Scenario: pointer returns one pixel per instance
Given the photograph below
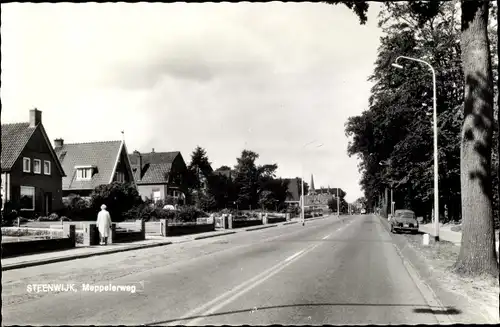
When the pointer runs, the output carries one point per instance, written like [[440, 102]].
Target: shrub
[[142, 212], [171, 200], [9, 213], [118, 197], [77, 208], [189, 214], [53, 217], [147, 212]]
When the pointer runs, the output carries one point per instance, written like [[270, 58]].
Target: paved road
[[327, 272]]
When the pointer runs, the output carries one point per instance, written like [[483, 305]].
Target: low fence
[[12, 249], [120, 233], [230, 222], [178, 229], [240, 223], [277, 218]]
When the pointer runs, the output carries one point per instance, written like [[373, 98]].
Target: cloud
[[265, 76]]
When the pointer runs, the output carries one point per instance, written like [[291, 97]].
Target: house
[[293, 194], [160, 174], [226, 171], [31, 172], [88, 165]]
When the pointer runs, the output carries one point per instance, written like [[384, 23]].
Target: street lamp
[[436, 176], [338, 203], [302, 186]]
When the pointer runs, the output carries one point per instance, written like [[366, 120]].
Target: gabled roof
[[101, 155], [155, 166], [14, 139]]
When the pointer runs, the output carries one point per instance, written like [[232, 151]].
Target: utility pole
[[338, 203]]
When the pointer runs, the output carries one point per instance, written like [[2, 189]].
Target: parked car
[[363, 211], [404, 220]]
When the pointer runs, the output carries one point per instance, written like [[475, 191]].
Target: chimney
[[35, 117], [139, 155], [58, 143]]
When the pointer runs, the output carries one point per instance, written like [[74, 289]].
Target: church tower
[[312, 191]]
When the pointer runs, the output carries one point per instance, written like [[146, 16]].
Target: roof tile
[[155, 166], [14, 139], [99, 154]]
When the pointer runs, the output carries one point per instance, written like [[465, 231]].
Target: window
[[3, 193], [120, 177], [84, 173], [26, 165], [46, 167], [156, 196], [27, 198], [37, 166]]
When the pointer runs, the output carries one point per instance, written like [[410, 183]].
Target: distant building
[[226, 171]]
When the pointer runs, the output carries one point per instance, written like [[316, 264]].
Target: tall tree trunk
[[498, 122], [477, 253]]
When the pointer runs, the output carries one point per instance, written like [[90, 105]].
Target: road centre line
[[293, 256], [243, 288], [262, 278]]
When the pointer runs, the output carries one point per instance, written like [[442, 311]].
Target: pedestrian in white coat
[[104, 224]]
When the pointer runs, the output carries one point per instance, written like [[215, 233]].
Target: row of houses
[[37, 174]]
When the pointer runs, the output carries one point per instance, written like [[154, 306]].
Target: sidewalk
[[88, 251], [151, 241], [445, 233]]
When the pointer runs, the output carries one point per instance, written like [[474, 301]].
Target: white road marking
[[293, 256], [239, 290], [278, 268]]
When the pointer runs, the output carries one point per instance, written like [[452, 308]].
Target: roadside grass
[[440, 257]]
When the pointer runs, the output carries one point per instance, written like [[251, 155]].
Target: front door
[[48, 203]]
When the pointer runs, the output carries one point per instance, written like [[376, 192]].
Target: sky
[[268, 77]]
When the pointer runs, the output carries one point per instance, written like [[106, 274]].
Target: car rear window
[[407, 215]]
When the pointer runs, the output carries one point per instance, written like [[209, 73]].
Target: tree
[[299, 186], [205, 201], [477, 254], [223, 190], [332, 205], [199, 168], [118, 197], [246, 180], [272, 192]]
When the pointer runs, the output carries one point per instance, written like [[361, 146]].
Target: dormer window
[[84, 173]]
